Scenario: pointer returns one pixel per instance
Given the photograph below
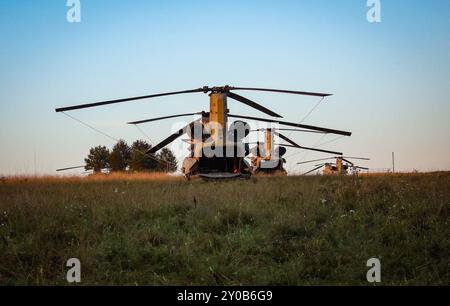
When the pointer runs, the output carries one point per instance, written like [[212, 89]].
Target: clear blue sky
[[390, 80]]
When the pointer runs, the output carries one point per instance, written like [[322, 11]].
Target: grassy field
[[265, 231]]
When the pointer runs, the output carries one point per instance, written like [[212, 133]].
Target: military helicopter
[[338, 168], [268, 159], [217, 151]]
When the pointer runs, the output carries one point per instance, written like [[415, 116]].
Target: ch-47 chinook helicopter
[[267, 157], [217, 151], [338, 168]]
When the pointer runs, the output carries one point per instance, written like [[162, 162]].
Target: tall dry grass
[[116, 176], [262, 231]]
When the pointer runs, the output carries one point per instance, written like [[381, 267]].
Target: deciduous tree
[[168, 161], [120, 156], [140, 161], [97, 159]]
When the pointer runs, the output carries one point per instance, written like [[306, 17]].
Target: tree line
[[123, 157]]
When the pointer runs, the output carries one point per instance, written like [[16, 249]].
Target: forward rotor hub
[[217, 89]]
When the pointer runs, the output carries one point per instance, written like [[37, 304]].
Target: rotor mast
[[268, 144], [339, 165], [218, 116]]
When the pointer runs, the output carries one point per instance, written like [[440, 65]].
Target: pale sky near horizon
[[389, 80]]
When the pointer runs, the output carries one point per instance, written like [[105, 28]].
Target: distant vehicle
[[342, 166]]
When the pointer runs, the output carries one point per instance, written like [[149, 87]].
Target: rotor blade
[[69, 108], [312, 149], [330, 164], [311, 161], [286, 139], [313, 170], [162, 118], [316, 94], [291, 130], [253, 104], [310, 127], [170, 139], [69, 168], [346, 160], [362, 168], [306, 148], [298, 130], [361, 158]]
